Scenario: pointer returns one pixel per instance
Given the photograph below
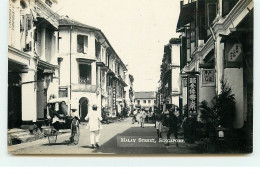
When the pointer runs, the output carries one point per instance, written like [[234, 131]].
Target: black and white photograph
[[130, 77]]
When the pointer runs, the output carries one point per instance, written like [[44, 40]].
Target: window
[[63, 92], [97, 48], [149, 101], [107, 59], [82, 41], [212, 12], [154, 101], [188, 43], [144, 101], [84, 73], [138, 101], [227, 6]]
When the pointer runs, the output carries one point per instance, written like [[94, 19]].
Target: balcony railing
[[84, 88], [84, 80]]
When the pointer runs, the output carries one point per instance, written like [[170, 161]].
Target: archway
[[83, 108]]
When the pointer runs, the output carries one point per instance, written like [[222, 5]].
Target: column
[[43, 37], [29, 102], [219, 63], [93, 73]]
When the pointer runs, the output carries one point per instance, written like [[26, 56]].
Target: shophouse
[[217, 44], [170, 74], [32, 61], [90, 70], [129, 92], [146, 100]]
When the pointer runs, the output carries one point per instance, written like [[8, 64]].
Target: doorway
[[83, 108], [14, 101]]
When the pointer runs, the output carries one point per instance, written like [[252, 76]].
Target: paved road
[[116, 138]]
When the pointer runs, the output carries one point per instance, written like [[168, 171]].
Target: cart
[[59, 120]]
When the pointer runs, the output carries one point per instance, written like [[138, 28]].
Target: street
[[110, 142]]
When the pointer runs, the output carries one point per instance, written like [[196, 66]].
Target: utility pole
[[70, 65]]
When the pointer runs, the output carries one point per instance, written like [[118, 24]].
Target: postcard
[[130, 77]]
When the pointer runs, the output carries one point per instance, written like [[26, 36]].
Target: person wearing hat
[[94, 124], [74, 125]]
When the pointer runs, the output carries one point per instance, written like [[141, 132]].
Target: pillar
[[29, 102]]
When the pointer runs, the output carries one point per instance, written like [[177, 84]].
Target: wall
[[234, 78], [93, 98]]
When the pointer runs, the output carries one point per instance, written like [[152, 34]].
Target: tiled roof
[[65, 21], [145, 95]]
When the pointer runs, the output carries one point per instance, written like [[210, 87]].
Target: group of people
[[139, 117], [94, 126], [168, 118]]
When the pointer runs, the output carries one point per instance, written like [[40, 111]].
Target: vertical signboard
[[192, 95], [114, 98]]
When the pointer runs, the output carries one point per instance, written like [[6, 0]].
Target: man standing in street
[[158, 123], [74, 127], [173, 124], [134, 116], [143, 115], [94, 124]]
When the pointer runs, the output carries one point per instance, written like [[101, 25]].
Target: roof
[[65, 21], [175, 41], [187, 14], [145, 95]]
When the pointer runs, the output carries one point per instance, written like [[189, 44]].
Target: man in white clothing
[[94, 124]]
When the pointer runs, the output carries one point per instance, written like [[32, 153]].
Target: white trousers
[[94, 137]]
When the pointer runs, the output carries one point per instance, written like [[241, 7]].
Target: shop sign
[[234, 52], [233, 55], [208, 77], [114, 97], [192, 92]]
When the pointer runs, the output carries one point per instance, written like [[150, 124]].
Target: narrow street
[[109, 142]]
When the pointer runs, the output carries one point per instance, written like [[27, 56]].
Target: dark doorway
[[14, 101], [83, 108]]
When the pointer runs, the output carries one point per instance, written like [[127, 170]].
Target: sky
[[137, 30]]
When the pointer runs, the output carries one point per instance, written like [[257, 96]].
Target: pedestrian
[[142, 118], [158, 123], [74, 126], [134, 116], [138, 116], [94, 125], [173, 125]]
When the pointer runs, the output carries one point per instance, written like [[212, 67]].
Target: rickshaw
[[59, 120]]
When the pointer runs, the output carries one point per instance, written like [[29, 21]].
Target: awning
[[187, 14]]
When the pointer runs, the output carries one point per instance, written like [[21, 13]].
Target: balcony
[[84, 88]]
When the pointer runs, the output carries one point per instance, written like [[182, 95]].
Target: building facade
[[90, 70], [50, 56], [217, 45], [32, 61], [146, 100], [170, 74], [129, 92]]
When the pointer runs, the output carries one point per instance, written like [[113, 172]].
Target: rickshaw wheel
[[76, 137], [53, 137]]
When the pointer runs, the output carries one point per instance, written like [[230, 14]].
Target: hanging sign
[[192, 92], [233, 55], [234, 52]]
